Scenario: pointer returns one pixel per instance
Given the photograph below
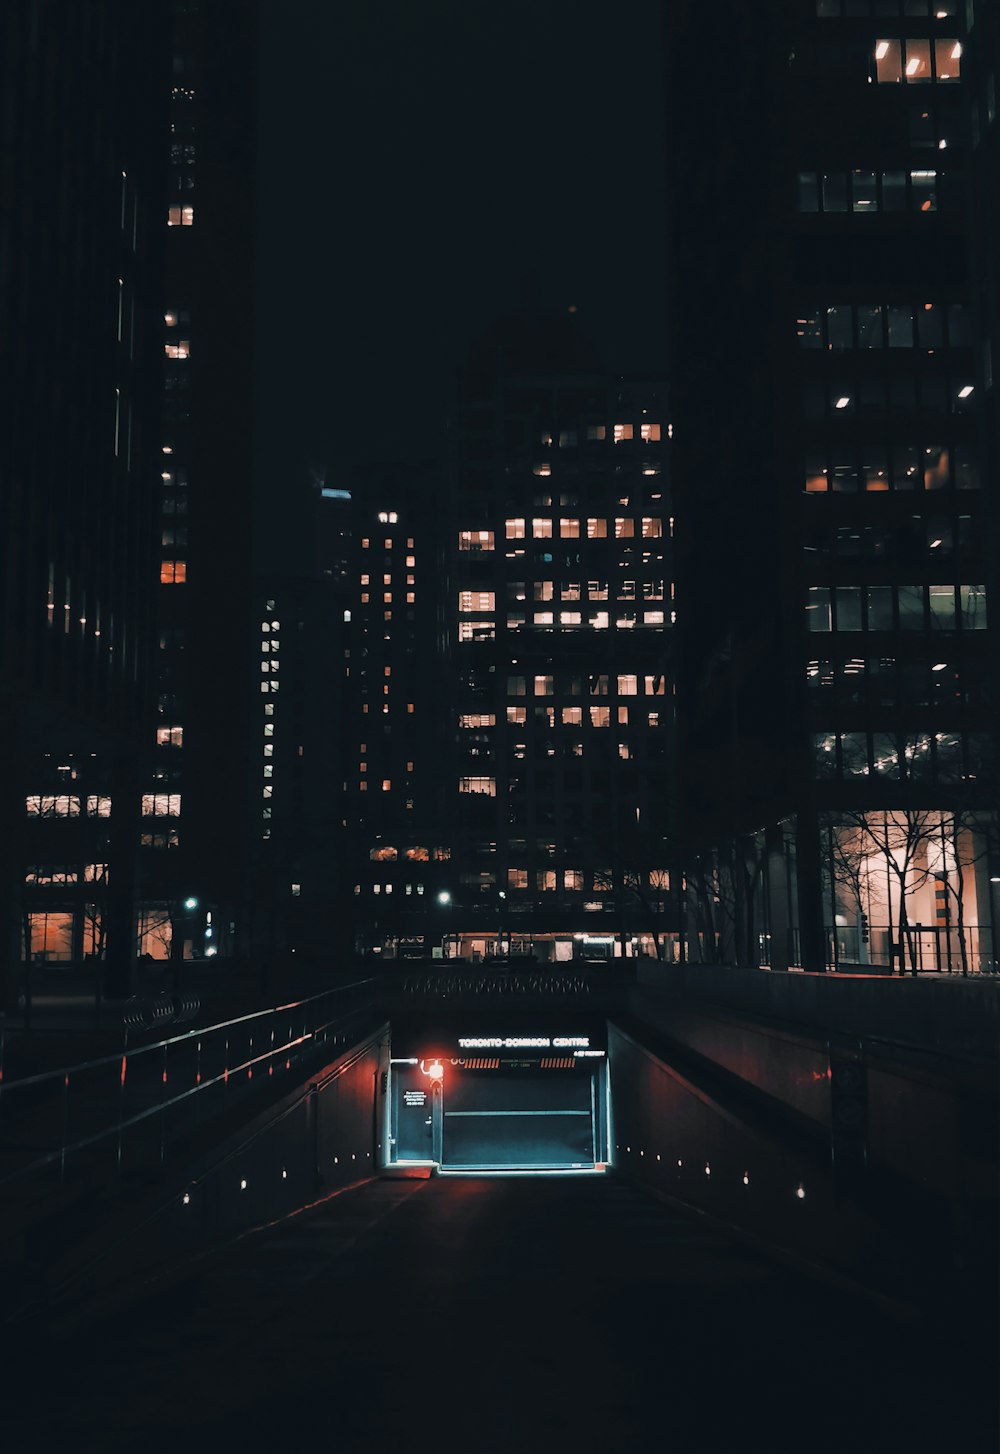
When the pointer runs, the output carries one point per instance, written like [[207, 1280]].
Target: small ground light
[[800, 1191], [746, 1178], [708, 1169], [243, 1184], [657, 1156], [284, 1174], [680, 1163], [186, 1198]]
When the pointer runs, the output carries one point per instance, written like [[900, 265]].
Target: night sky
[[427, 167]]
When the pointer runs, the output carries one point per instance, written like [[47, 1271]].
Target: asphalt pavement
[[507, 1313]]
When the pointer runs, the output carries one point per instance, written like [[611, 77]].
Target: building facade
[[81, 138], [557, 614], [835, 475], [195, 868], [396, 688]]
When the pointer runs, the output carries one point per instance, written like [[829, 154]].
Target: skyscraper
[[835, 462], [80, 288], [194, 810], [558, 616]]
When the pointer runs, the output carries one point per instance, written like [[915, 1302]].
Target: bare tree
[[899, 836]]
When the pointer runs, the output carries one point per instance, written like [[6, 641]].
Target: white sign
[[525, 1042]]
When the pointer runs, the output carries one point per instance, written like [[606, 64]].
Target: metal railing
[[495, 984], [123, 1111]]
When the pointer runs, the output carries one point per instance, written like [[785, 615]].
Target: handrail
[[314, 1015], [10, 1085]]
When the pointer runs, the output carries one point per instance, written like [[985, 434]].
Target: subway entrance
[[513, 1098]]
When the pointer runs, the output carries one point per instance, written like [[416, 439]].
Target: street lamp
[[444, 899]]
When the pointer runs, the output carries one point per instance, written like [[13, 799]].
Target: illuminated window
[[628, 685], [543, 686], [597, 529], [649, 431], [622, 431], [653, 618], [517, 715], [624, 529], [543, 618], [572, 716], [600, 716], [541, 469], [514, 529], [161, 805], [947, 60], [477, 719], [46, 806], [173, 572], [180, 216], [570, 618], [599, 621], [484, 786], [818, 609], [476, 630], [545, 879], [972, 607], [386, 785], [517, 687], [654, 685], [170, 736], [652, 528], [541, 529], [543, 591], [596, 431], [474, 540], [517, 878], [569, 529], [917, 66], [476, 600]]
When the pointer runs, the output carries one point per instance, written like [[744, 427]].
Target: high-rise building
[[81, 241], [833, 310], [397, 685], [300, 902], [557, 616], [196, 850]]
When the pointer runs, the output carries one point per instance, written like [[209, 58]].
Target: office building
[[196, 880], [557, 614], [834, 415], [81, 135], [397, 685]]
